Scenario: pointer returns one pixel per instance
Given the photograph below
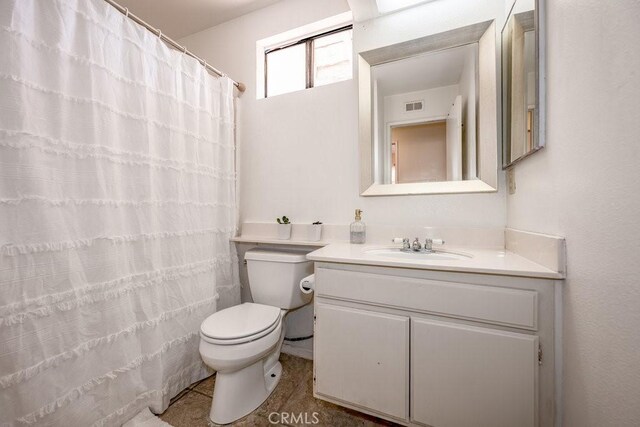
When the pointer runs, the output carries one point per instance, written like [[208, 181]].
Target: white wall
[[299, 151], [299, 157], [584, 185]]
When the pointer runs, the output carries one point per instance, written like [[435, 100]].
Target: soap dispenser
[[358, 229]]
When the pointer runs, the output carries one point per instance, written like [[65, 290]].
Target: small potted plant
[[284, 228], [315, 232]]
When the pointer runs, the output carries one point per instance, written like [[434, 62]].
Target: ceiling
[[364, 10], [179, 18], [408, 75]]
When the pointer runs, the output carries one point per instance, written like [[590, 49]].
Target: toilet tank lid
[[276, 255]]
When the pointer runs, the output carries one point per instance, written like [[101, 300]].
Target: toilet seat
[[240, 324]]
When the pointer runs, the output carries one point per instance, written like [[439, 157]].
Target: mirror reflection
[[424, 117], [520, 91]]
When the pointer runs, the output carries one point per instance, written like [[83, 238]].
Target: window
[[313, 61]]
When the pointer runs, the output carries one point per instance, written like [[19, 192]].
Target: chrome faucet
[[416, 246]]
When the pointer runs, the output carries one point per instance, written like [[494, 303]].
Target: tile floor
[[294, 394]]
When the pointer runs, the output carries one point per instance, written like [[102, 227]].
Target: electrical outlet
[[511, 180]]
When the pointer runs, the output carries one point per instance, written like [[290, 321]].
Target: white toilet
[[242, 343]]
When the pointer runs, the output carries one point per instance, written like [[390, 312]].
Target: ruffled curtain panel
[[117, 202]]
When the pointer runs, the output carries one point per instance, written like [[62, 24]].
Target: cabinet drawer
[[491, 304]]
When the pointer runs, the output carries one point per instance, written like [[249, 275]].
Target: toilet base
[[272, 377], [239, 393]]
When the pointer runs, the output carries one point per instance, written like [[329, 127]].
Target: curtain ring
[[184, 50], [126, 12], [206, 65], [159, 34]]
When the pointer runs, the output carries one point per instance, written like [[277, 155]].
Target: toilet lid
[[240, 321]]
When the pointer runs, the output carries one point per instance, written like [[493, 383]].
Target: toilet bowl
[[242, 343], [246, 375]]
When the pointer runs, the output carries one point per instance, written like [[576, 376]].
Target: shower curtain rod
[[125, 11]]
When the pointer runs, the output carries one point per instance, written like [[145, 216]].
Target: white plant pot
[[284, 231], [314, 232]]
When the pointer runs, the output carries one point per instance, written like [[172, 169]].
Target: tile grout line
[[288, 396], [197, 383], [178, 397], [201, 393]]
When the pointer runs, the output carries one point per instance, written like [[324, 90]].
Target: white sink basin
[[396, 253]]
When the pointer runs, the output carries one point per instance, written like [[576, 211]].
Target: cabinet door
[[362, 358], [470, 376]]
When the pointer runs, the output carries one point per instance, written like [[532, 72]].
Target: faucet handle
[[428, 243], [405, 242]]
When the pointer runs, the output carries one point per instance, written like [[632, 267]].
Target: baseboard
[[305, 353]]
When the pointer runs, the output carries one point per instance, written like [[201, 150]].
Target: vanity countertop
[[485, 261]]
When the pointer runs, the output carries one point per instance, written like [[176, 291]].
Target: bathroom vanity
[[465, 341]]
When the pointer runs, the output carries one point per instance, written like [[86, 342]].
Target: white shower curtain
[[117, 202]]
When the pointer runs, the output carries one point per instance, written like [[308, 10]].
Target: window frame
[[309, 55]]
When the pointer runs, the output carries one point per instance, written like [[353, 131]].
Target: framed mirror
[[428, 119], [522, 83]]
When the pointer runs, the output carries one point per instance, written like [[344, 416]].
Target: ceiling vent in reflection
[[413, 106]]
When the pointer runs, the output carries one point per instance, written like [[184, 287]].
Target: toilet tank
[[274, 277]]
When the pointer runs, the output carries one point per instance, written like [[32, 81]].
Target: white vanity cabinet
[[433, 348]]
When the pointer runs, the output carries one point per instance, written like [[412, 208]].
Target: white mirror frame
[[488, 119]]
